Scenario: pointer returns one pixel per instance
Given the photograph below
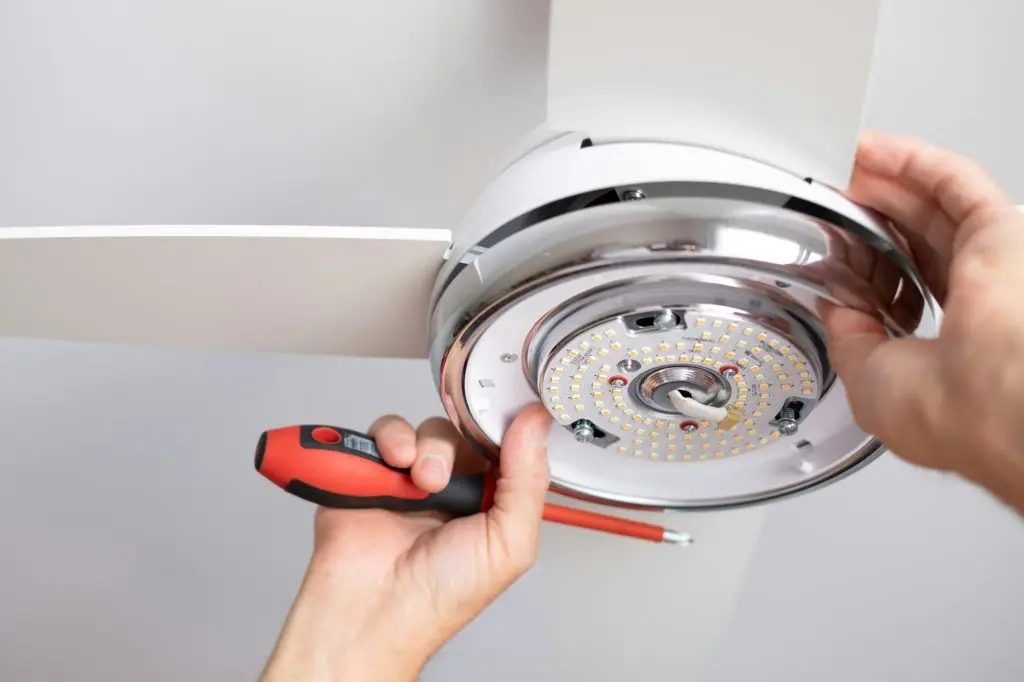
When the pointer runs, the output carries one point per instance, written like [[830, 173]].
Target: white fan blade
[[340, 290], [783, 82]]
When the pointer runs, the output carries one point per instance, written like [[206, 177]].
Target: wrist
[[1000, 471], [310, 661], [369, 663], [381, 654], [321, 654], [336, 633]]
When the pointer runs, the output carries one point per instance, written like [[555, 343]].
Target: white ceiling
[[219, 111], [392, 113]]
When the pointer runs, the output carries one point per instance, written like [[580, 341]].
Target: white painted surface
[[563, 169], [301, 112], [783, 82], [340, 291]]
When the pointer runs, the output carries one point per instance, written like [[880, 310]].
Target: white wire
[[689, 407]]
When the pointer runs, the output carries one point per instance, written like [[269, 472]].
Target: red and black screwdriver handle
[[340, 468]]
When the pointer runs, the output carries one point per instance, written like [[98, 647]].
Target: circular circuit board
[[612, 379]]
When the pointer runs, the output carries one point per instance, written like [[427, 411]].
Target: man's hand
[[385, 590], [955, 403]]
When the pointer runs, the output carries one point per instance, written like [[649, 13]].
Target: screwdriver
[[342, 469]]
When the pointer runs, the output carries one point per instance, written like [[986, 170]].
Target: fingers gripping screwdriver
[[342, 469]]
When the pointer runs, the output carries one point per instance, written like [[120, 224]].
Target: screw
[[729, 372], [788, 427], [666, 320], [689, 427], [633, 195], [629, 365], [617, 382], [584, 431], [787, 422], [509, 357]]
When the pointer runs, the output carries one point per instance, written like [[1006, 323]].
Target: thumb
[[886, 380], [514, 520]]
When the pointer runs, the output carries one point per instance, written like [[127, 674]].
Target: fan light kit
[[651, 263], [663, 301]]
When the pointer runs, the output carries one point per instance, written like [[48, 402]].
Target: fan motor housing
[[600, 278]]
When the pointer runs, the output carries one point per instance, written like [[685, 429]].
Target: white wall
[[137, 542]]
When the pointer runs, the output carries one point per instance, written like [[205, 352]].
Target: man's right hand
[[956, 402]]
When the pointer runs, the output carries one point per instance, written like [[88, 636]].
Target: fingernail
[[433, 465]]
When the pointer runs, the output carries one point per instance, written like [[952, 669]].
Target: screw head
[[617, 382], [729, 372], [666, 320], [629, 365], [633, 195], [583, 431], [788, 427], [509, 357], [688, 427]]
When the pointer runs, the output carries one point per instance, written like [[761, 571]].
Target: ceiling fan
[[647, 259]]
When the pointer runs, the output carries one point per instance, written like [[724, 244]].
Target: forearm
[[331, 636]]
